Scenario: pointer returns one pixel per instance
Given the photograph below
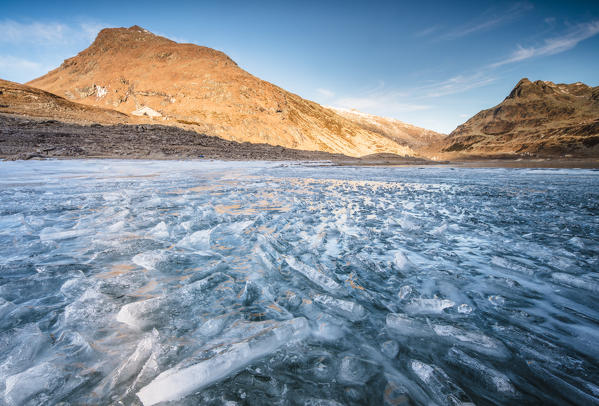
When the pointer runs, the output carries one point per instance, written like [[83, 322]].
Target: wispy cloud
[[456, 84], [381, 104], [91, 29], [381, 100], [427, 31], [180, 40], [8, 61], [46, 33], [34, 32], [385, 101], [30, 48], [20, 69], [487, 21], [326, 93], [555, 45]]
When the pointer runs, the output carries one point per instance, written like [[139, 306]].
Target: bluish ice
[[141, 282]]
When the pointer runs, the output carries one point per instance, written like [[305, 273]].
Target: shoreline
[[557, 163], [24, 138], [574, 163]]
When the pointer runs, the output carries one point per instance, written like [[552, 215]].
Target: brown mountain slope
[[28, 101], [402, 133], [38, 124], [536, 119], [131, 69]]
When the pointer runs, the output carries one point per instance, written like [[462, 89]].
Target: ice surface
[[149, 260], [497, 300], [176, 383], [350, 310], [134, 313], [491, 378], [439, 385], [401, 261], [475, 341], [405, 326], [212, 327], [428, 306], [576, 282], [136, 361], [405, 291], [317, 277], [320, 402], [159, 231], [199, 240], [356, 371], [390, 348], [285, 283], [149, 312], [465, 308], [34, 385]]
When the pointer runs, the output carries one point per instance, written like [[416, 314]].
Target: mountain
[[38, 124], [28, 101], [136, 72], [402, 133], [541, 119]]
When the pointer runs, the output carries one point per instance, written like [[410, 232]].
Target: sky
[[429, 63]]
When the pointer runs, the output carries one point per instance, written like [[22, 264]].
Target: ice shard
[[177, 383]]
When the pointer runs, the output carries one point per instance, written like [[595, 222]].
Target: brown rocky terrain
[[402, 133], [38, 124], [31, 102], [537, 119], [23, 137], [136, 72], [26, 138]]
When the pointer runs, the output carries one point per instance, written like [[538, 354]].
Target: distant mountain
[[402, 133], [28, 101], [194, 87], [539, 118]]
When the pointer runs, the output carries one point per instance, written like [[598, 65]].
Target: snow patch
[[101, 92], [146, 111]]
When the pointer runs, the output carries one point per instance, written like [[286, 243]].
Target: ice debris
[[34, 385], [428, 306], [474, 341], [390, 348], [176, 383], [439, 385], [317, 277], [356, 371], [403, 325], [350, 310], [490, 378]]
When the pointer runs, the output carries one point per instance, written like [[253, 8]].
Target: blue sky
[[429, 63]]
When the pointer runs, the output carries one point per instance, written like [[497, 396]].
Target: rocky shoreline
[[28, 138], [33, 138], [23, 138]]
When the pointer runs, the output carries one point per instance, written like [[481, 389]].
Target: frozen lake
[[236, 283]]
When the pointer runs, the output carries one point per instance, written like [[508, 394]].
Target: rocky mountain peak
[[117, 39], [543, 88], [537, 118], [525, 89]]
